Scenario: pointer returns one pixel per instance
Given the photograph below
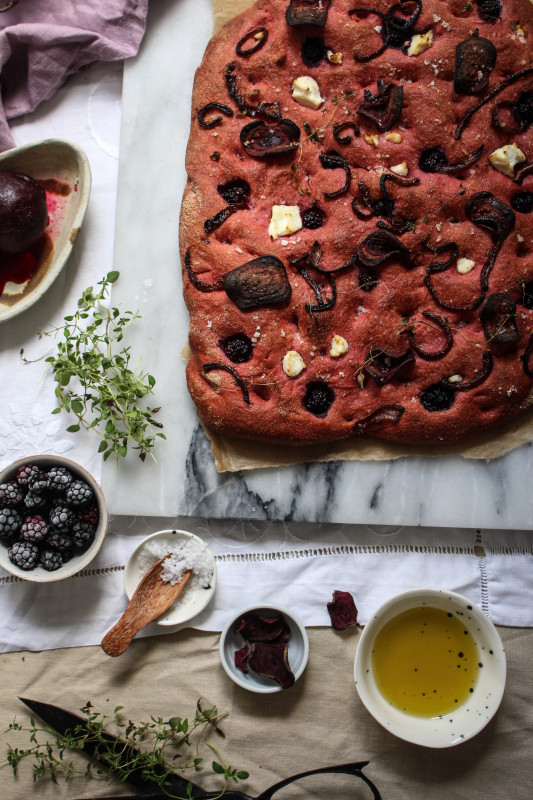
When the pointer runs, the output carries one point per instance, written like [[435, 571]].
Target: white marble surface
[[441, 491]]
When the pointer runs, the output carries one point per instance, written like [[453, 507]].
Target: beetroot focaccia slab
[[356, 228]]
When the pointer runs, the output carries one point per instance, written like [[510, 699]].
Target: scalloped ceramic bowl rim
[[77, 562], [475, 712], [83, 191], [174, 616], [255, 683]]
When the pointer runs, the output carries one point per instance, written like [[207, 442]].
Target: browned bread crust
[[456, 376]]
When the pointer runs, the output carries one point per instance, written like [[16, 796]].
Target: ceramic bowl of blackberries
[[53, 518]]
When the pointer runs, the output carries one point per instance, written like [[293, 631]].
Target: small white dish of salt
[[186, 552]]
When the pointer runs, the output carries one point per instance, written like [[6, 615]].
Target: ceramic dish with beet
[[61, 171], [264, 648]]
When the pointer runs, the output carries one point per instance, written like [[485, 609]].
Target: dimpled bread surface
[[428, 355]]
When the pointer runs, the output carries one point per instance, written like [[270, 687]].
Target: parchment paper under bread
[[233, 454]]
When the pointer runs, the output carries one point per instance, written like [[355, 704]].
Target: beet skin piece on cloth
[[42, 42]]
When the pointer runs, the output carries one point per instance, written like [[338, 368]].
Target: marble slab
[[442, 491]]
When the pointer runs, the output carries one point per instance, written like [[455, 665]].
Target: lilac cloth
[[42, 42]]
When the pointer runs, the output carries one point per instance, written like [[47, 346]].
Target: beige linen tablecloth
[[319, 721]]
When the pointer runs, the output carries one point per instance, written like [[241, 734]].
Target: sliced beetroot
[[522, 202], [318, 398], [271, 660], [384, 415], [307, 12], [342, 610], [209, 108], [252, 42], [334, 160], [438, 397], [381, 246], [434, 159], [384, 108], [383, 367], [266, 647], [260, 282], [314, 50], [313, 218], [265, 139], [241, 658], [498, 317], [235, 192], [237, 347], [474, 59], [489, 10], [254, 627]]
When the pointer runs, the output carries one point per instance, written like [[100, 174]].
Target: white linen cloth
[[298, 567]]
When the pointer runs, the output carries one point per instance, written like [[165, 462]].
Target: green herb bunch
[[95, 382], [153, 749]]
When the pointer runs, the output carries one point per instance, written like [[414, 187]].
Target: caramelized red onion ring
[[238, 380], [210, 107], [508, 81], [334, 160], [382, 416], [432, 355], [434, 159], [383, 366], [526, 358], [477, 380], [260, 40], [343, 126], [196, 282], [440, 266], [384, 108]]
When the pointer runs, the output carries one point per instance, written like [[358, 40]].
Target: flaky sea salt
[[185, 554]]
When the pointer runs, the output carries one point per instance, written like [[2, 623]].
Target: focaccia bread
[[356, 234]]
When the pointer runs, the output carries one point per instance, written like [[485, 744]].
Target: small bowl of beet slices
[[53, 518], [264, 648]]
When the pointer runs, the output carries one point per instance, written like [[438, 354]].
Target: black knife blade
[[105, 752]]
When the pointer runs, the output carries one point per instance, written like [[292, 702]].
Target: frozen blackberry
[[38, 482], [59, 478], [82, 535], [51, 560], [79, 494], [24, 555], [60, 541], [90, 515], [10, 522], [34, 529], [10, 494], [25, 472], [62, 518], [34, 501]]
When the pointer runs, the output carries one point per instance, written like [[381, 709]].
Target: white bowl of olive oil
[[430, 667]]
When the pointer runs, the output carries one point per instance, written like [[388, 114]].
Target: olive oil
[[425, 661]]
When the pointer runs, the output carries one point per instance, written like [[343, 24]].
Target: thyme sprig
[[95, 382], [152, 749]]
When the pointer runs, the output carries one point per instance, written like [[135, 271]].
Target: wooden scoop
[[151, 599]]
